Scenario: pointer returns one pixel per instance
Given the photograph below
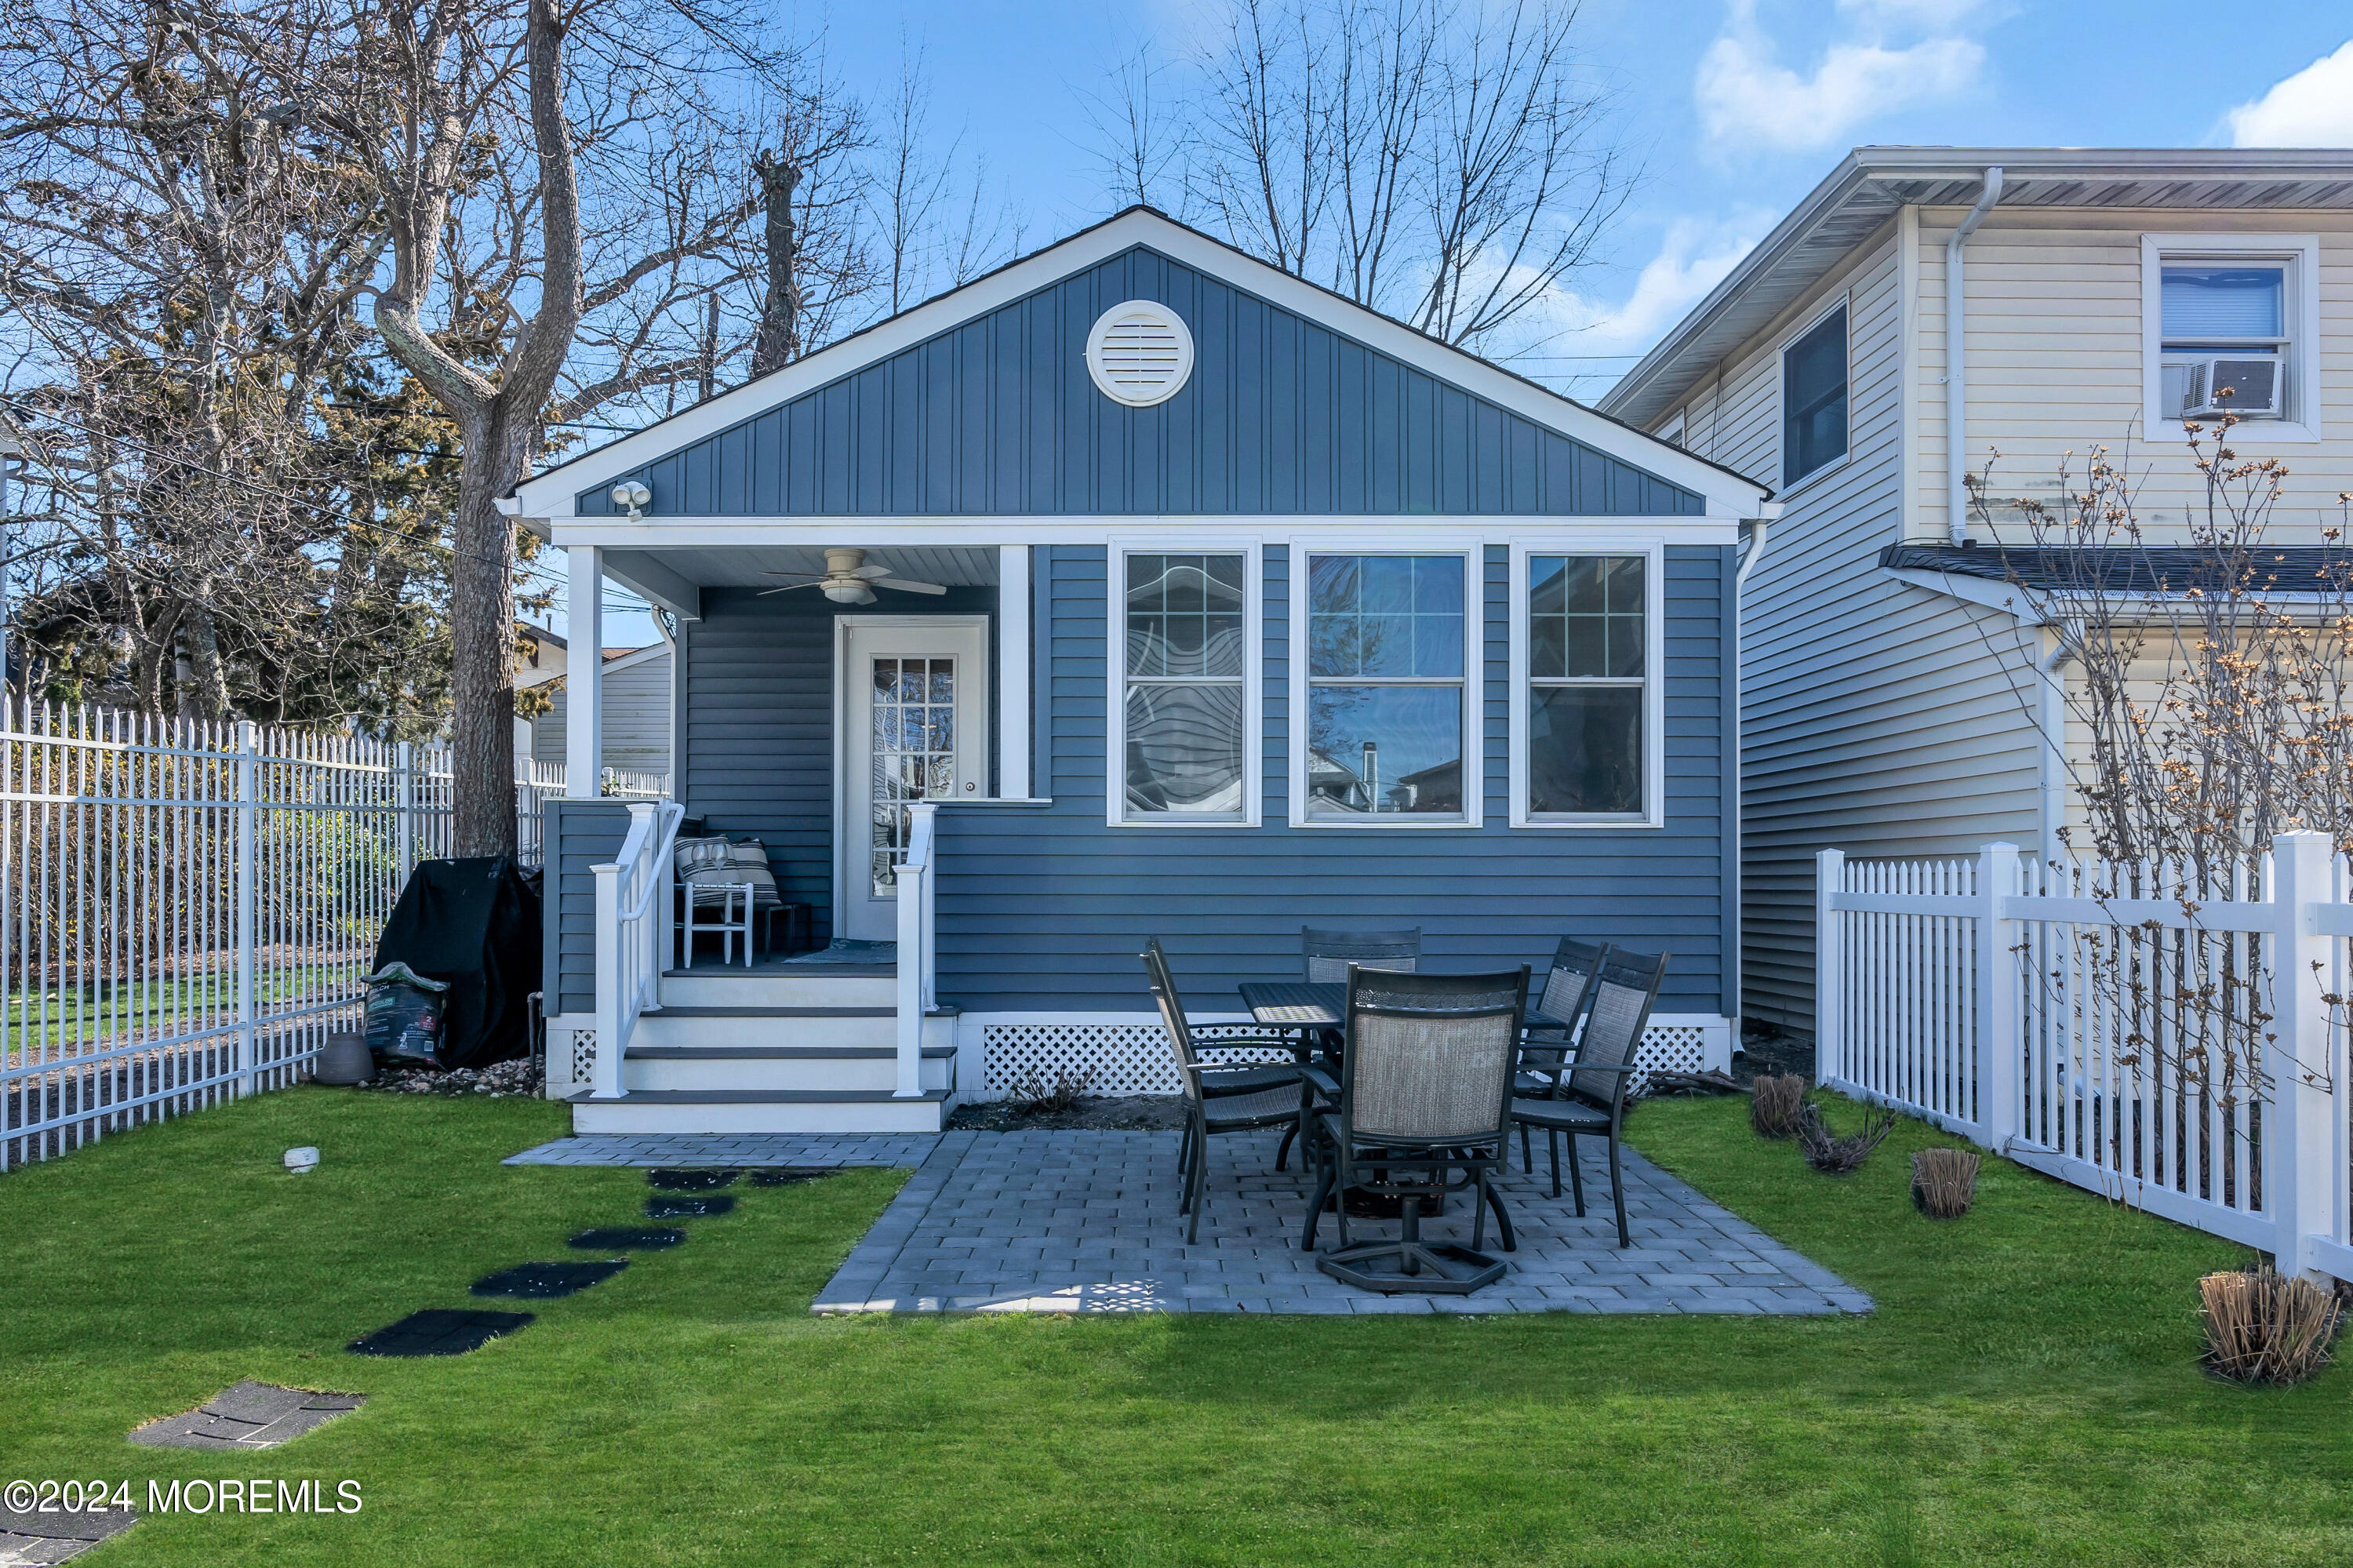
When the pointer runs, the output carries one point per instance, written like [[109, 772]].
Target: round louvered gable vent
[[1139, 354]]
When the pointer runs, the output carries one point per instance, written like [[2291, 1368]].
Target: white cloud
[[1930, 15], [1580, 343], [1747, 99], [2314, 108]]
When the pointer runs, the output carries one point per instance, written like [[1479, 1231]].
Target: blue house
[[1136, 589]]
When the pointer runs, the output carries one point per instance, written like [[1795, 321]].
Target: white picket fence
[[188, 909], [2071, 1016]]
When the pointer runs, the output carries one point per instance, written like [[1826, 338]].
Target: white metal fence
[[186, 909], [2171, 1039]]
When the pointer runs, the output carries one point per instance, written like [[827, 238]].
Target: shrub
[[1826, 1150], [2262, 1327], [1774, 1105], [1036, 1095], [1945, 1182]]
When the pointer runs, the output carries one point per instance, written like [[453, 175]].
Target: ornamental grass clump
[[1774, 1105], [1945, 1182], [2263, 1327], [1839, 1154]]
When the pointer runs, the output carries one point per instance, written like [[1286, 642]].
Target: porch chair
[[1221, 1096], [1586, 1096], [733, 881], [1550, 1037], [1425, 1091]]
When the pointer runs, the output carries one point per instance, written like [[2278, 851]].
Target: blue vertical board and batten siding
[[1045, 909], [1282, 416]]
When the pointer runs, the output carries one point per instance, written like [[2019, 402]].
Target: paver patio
[[1087, 1222]]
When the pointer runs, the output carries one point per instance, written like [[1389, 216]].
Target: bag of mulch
[[404, 1015]]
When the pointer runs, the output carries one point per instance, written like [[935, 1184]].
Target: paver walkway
[[1087, 1222]]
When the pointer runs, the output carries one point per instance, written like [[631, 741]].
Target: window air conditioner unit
[[2247, 385]]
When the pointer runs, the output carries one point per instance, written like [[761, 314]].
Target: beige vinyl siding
[[2054, 366], [1874, 718], [636, 718]]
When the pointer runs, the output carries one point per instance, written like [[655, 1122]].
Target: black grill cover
[[475, 924]]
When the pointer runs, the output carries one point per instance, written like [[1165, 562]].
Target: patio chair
[[1328, 954], [1425, 1091], [1546, 1047], [1587, 1097], [1223, 1097]]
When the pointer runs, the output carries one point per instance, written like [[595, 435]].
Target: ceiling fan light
[[849, 592]]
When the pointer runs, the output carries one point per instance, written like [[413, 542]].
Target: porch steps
[[761, 1110], [812, 1049]]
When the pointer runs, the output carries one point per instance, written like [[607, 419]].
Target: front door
[[914, 720]]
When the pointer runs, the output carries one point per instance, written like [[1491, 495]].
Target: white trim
[[842, 627], [1129, 397], [876, 532], [1014, 685], [1252, 550], [2302, 322], [1654, 682], [549, 495], [1302, 545], [1830, 305], [584, 704]]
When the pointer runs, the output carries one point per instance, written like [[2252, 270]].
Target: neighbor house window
[[1384, 694], [2224, 338], [1587, 667], [1183, 722], [1813, 399]]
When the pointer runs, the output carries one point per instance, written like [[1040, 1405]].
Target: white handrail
[[915, 956], [632, 909]]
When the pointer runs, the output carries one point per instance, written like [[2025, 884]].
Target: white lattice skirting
[[1123, 1054]]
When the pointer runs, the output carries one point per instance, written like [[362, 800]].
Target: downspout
[[1956, 360], [1768, 512]]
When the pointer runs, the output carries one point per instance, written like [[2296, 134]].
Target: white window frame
[[1653, 551], [1252, 550], [1827, 307], [1474, 555], [2300, 313]]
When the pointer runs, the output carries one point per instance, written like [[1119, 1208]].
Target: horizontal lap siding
[[1046, 909], [758, 725], [579, 834], [1282, 415]]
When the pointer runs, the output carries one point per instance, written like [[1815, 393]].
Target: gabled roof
[[1871, 184], [1726, 493]]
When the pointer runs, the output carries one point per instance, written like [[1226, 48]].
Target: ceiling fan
[[848, 580]]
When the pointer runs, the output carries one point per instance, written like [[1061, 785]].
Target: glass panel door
[[913, 756]]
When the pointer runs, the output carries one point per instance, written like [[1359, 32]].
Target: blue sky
[[1734, 108]]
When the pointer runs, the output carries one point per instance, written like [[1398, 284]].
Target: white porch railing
[[918, 945], [633, 918], [2044, 1013]]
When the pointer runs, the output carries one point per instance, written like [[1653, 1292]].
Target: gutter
[[1956, 359]]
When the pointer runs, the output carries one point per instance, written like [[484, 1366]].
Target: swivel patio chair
[[1223, 1097], [1586, 1097], [1425, 1092]]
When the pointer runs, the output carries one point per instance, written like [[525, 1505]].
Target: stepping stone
[[30, 1538], [686, 1208], [439, 1331], [628, 1238], [548, 1279], [250, 1415], [701, 1180], [786, 1175]]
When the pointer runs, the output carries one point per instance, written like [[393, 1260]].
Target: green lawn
[[2028, 1391]]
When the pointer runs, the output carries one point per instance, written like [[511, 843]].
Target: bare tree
[[1443, 161]]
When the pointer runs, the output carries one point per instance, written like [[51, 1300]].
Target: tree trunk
[[482, 625], [208, 689], [779, 341]]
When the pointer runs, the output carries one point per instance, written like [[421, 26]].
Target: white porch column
[[584, 701], [1013, 671]]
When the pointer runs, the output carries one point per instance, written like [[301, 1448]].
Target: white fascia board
[[549, 495], [2045, 607], [653, 534], [2007, 597]]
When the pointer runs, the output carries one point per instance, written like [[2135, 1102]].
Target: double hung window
[[1183, 719], [1385, 696]]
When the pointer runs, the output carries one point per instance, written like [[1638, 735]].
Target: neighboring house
[[1217, 587], [636, 686], [1890, 704], [541, 657]]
